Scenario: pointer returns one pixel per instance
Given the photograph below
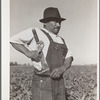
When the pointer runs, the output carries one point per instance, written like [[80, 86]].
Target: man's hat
[[51, 14]]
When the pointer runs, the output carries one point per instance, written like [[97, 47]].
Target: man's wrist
[[63, 68]]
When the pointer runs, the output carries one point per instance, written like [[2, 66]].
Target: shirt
[[27, 35]]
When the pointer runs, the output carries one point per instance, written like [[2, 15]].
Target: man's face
[[53, 26]]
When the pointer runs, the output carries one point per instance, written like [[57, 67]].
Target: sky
[[79, 29]]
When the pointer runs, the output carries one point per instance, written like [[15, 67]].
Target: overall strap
[[49, 37], [63, 40], [35, 35]]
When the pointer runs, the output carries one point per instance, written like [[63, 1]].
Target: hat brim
[[45, 20]]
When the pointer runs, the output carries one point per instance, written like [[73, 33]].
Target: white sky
[[79, 30]]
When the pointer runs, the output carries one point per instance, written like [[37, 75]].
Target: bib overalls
[[46, 88]]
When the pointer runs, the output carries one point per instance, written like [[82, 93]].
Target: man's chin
[[56, 31]]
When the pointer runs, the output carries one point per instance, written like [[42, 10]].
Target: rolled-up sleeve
[[69, 53], [22, 37]]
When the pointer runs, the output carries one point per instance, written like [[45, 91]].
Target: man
[[49, 54]]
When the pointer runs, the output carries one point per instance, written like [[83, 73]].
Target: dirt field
[[80, 82]]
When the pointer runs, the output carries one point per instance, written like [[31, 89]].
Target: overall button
[[56, 46], [41, 81]]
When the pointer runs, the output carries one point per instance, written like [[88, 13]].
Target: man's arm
[[57, 72], [30, 54], [67, 63]]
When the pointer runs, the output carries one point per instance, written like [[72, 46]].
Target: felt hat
[[51, 14]]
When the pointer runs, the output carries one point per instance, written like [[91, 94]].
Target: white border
[[98, 50], [5, 29]]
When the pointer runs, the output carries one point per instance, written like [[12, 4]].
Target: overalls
[[46, 88]]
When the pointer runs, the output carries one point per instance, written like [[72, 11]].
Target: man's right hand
[[35, 55]]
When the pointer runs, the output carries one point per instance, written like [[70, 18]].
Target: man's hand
[[57, 72], [35, 55]]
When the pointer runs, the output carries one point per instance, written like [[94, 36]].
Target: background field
[[80, 82]]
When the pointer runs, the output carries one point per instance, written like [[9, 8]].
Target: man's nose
[[58, 24]]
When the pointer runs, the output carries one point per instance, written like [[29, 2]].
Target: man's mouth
[[57, 28]]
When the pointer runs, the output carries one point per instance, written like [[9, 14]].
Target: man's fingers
[[55, 73], [52, 73], [36, 57]]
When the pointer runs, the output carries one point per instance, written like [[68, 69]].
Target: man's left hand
[[57, 72]]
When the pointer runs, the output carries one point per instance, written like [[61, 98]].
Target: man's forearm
[[67, 63], [33, 55], [21, 48]]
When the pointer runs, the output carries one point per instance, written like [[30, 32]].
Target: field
[[80, 82]]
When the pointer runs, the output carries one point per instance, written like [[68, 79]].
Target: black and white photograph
[[52, 50]]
